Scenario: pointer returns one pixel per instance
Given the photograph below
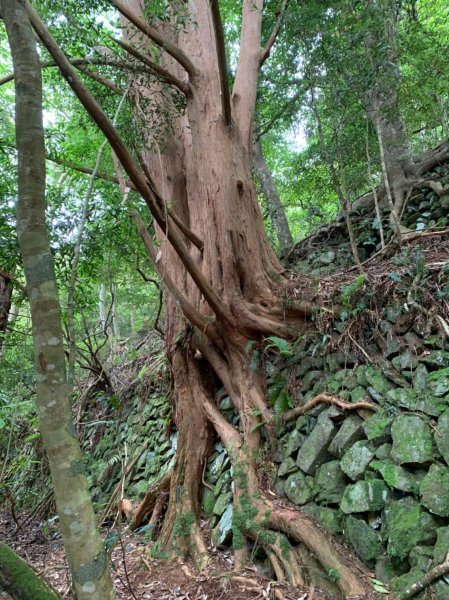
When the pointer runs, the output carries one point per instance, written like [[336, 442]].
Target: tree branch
[[222, 65], [159, 39], [77, 62], [265, 53], [154, 68], [130, 166]]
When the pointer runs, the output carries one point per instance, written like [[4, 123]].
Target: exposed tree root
[[147, 505], [300, 410]]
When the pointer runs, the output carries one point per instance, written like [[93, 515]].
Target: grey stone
[[297, 488], [364, 496], [293, 441], [434, 490], [408, 525], [208, 501], [350, 432], [326, 258], [226, 404], [222, 503], [309, 379], [362, 538], [439, 386], [377, 379], [437, 358], [329, 483], [442, 545], [416, 401], [420, 378], [222, 533], [384, 451], [396, 476], [377, 428], [405, 361], [356, 460], [441, 435], [287, 467], [215, 468], [412, 440], [314, 450]]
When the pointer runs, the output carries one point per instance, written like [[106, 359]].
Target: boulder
[[350, 432], [356, 459], [412, 440], [222, 533], [329, 518], [297, 488], [293, 441], [314, 450], [397, 477], [329, 483], [416, 401], [365, 496], [434, 490], [287, 467], [408, 525], [377, 428], [362, 538]]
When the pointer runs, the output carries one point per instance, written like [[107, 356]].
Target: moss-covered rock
[[362, 538], [329, 483], [222, 532], [329, 518], [412, 440], [442, 545], [377, 379], [287, 466], [404, 582], [314, 451], [350, 432], [442, 436], [434, 490], [416, 401], [364, 496], [397, 477], [297, 488], [377, 428], [407, 525], [356, 460], [222, 503]]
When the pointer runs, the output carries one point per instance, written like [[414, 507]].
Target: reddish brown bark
[[224, 293]]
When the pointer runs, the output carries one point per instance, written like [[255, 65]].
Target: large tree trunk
[[84, 548], [270, 191], [224, 279]]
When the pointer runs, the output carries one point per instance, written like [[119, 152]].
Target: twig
[[300, 410], [131, 591]]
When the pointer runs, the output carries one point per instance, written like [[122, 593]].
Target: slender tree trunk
[[270, 191], [84, 549], [115, 314], [102, 305], [5, 304]]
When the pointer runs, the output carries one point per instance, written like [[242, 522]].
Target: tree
[[225, 282], [84, 549]]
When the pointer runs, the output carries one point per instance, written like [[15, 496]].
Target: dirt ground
[[137, 576]]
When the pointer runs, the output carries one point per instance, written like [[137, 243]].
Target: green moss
[[183, 524], [24, 583], [157, 552]]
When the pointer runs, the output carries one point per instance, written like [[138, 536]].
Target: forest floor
[[139, 577]]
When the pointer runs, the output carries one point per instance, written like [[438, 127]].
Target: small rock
[[377, 380], [412, 440], [406, 361], [384, 451], [287, 467], [442, 546], [434, 490], [437, 358], [293, 441], [326, 258], [297, 489]]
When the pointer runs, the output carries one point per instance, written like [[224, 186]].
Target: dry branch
[[265, 53], [427, 579], [300, 410]]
